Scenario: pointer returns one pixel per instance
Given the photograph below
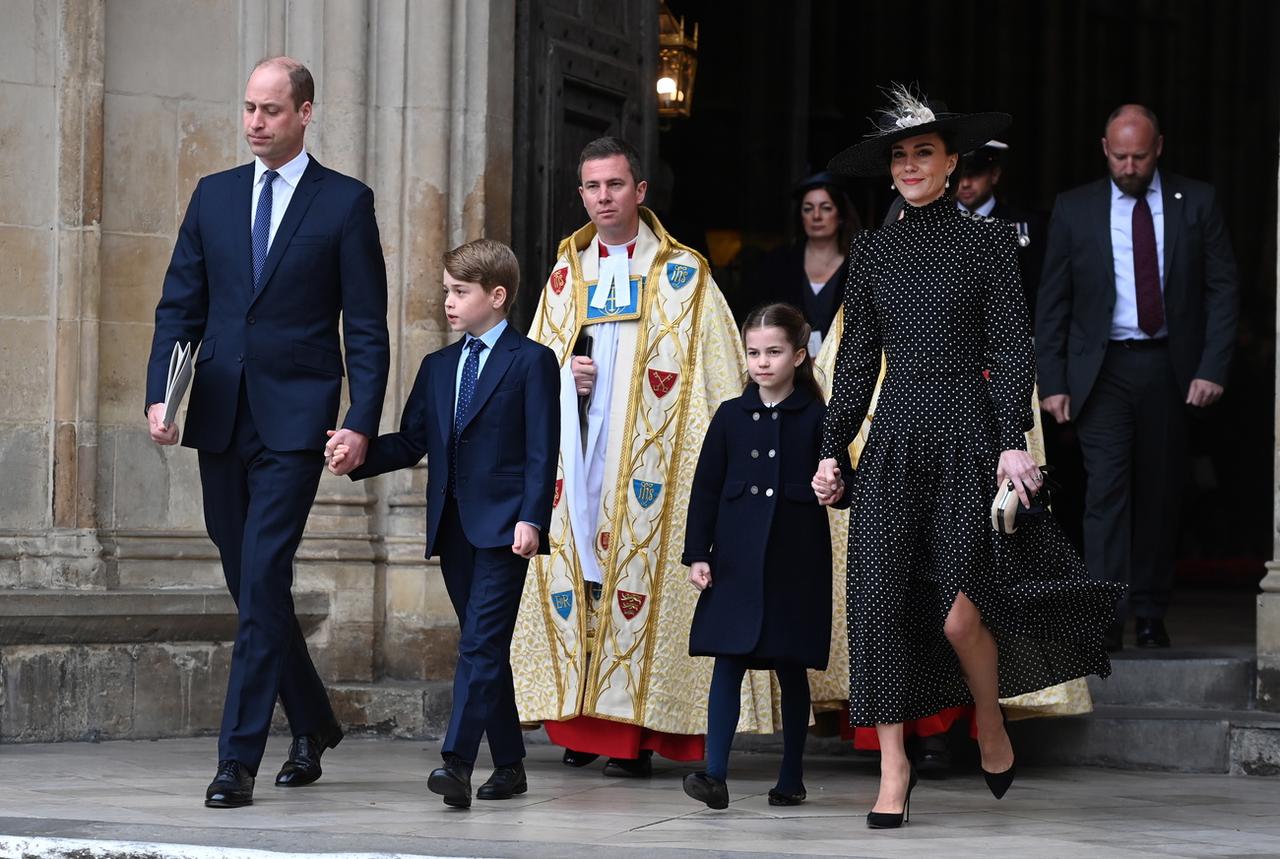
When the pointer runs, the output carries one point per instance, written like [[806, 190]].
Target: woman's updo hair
[[793, 325]]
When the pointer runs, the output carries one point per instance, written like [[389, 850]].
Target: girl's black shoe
[[707, 789], [885, 820], [777, 797]]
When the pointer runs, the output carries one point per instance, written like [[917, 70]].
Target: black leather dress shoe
[[641, 767], [504, 783], [303, 764], [1150, 632], [577, 759], [933, 757], [232, 787], [452, 781]]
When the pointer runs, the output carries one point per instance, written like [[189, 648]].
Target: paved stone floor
[[373, 799]]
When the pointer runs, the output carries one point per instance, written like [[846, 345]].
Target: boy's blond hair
[[489, 263]]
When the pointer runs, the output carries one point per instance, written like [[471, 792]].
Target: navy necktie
[[262, 225], [466, 390], [1146, 270]]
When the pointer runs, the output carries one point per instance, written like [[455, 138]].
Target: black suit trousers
[[484, 586], [256, 503], [1133, 437]]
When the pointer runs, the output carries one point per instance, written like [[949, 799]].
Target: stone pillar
[[114, 621], [1269, 598]]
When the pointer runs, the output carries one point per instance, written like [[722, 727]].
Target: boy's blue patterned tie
[[466, 389], [262, 225]]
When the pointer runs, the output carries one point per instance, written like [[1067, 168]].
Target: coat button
[[251, 320], [755, 454], [755, 416], [775, 416], [768, 493], [755, 490], [772, 454]]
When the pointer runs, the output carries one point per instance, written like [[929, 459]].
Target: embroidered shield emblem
[[630, 604], [603, 539], [558, 279], [562, 602], [679, 275], [555, 499], [646, 492], [661, 382]]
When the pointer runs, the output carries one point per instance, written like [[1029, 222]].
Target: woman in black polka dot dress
[[942, 610]]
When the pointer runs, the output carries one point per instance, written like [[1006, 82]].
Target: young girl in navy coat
[[759, 548]]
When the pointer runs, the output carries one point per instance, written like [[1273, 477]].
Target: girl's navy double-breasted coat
[[754, 518]]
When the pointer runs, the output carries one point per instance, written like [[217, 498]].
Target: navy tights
[[723, 712]]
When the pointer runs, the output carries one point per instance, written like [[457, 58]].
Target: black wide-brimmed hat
[[821, 179], [910, 115]]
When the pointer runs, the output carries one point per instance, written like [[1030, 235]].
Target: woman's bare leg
[[976, 648], [895, 770]]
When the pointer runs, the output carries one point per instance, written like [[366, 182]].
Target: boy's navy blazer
[[279, 340], [508, 443]]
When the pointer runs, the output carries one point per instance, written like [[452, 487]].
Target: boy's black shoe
[[452, 781], [504, 783]]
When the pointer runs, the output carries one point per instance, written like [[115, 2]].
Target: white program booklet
[[181, 369]]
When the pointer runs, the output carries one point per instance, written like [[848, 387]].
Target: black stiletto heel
[[885, 820], [999, 783]]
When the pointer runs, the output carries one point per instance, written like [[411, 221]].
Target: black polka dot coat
[[939, 293], [754, 518]]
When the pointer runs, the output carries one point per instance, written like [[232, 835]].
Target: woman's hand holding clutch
[[1018, 467]]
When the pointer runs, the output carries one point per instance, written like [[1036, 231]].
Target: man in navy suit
[[1136, 322], [270, 256], [485, 413]]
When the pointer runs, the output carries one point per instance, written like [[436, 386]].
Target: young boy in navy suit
[[484, 413]]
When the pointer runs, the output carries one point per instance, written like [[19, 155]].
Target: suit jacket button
[[251, 320]]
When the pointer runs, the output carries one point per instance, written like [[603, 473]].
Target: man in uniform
[[648, 349]]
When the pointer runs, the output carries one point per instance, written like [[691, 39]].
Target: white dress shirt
[[281, 190], [1124, 320], [984, 210]]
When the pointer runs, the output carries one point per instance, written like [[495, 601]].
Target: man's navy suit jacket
[[508, 443], [1078, 288], [282, 338]]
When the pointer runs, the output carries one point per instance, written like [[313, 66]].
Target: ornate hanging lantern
[[677, 64]]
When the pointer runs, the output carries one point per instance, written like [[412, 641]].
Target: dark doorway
[[783, 87]]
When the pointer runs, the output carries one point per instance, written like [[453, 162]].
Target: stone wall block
[[133, 269], [24, 462], [140, 183], [207, 135], [180, 50], [27, 276], [27, 122]]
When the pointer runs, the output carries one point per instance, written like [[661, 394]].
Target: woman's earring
[[892, 187], [947, 185]]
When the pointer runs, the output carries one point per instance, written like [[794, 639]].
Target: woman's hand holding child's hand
[[827, 484]]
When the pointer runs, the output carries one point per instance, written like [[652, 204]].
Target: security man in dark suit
[[980, 172], [269, 258], [1136, 321]]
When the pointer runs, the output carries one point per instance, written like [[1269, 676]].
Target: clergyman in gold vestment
[[648, 350]]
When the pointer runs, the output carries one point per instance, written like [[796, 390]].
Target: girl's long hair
[[792, 322]]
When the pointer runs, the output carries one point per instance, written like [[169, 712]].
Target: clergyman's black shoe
[[504, 783], [303, 764], [641, 767], [452, 781], [232, 787], [933, 757], [577, 759], [1150, 632]]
